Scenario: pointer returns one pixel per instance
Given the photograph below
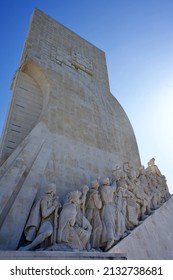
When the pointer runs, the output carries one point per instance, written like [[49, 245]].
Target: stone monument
[[65, 131]]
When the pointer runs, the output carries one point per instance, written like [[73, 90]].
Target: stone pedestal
[[47, 255]]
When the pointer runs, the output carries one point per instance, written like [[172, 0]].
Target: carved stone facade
[[96, 218], [64, 128]]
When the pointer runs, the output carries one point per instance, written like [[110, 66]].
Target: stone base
[[153, 239], [55, 255]]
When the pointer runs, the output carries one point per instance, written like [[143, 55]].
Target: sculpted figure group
[[96, 217]]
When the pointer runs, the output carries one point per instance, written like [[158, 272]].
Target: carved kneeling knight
[[40, 225]]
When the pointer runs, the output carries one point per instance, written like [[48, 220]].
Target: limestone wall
[[62, 82]]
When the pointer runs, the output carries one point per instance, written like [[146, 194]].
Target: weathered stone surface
[[63, 125], [152, 240], [62, 82]]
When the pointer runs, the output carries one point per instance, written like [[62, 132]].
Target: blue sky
[[137, 37]]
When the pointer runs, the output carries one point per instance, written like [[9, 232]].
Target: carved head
[[94, 184], [74, 197], [51, 188], [106, 182], [151, 161], [85, 189]]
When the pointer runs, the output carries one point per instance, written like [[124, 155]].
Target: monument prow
[[70, 176]]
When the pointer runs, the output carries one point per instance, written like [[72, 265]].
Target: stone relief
[[60, 56], [82, 63], [96, 217], [74, 60], [42, 223]]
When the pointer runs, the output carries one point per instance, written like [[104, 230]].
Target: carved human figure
[[133, 207], [43, 216], [121, 210], [140, 200], [93, 205], [165, 191], [74, 229], [162, 188], [116, 173], [129, 211], [152, 186], [83, 226], [108, 217], [143, 185], [154, 168]]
